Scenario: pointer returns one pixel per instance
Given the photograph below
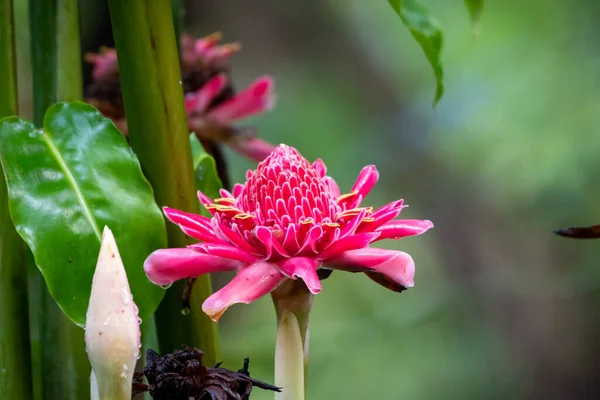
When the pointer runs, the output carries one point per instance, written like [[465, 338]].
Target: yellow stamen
[[225, 200], [243, 216], [354, 212], [222, 208], [347, 195]]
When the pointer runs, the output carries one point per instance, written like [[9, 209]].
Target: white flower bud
[[112, 330]]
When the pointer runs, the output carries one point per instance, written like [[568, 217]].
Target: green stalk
[[15, 378], [156, 120], [289, 360], [178, 16], [292, 302], [61, 369], [68, 64], [8, 62]]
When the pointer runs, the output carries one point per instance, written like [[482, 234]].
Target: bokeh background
[[502, 308]]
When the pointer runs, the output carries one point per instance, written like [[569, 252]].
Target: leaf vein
[[72, 181]]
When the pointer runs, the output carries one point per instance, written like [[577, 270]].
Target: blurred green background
[[502, 308]]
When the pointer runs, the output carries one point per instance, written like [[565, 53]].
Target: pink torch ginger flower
[[286, 222], [211, 110], [218, 120], [212, 106], [206, 51]]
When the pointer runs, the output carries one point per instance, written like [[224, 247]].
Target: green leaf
[[197, 150], [207, 178], [475, 8], [65, 183], [427, 32]]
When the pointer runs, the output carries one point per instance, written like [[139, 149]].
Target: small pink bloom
[[212, 106], [105, 63], [286, 222], [206, 50], [255, 99]]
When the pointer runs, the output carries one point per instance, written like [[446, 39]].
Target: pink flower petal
[[351, 225], [367, 178], [258, 97], [404, 227], [249, 284], [320, 167], [196, 226], [205, 200], [188, 51], [333, 186], [224, 251], [396, 265], [357, 241], [181, 217], [220, 54], [290, 240], [253, 148], [382, 215], [225, 194], [272, 245], [105, 63], [163, 267], [304, 268], [310, 241], [237, 190], [198, 102], [201, 46], [233, 237]]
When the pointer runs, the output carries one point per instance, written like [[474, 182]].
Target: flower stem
[[292, 302], [156, 120], [61, 369], [289, 358], [15, 380], [178, 17], [119, 389]]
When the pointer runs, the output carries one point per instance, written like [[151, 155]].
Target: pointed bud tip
[[112, 331]]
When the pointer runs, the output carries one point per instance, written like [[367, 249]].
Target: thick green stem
[[8, 62], [69, 83], [292, 302], [289, 360], [42, 24], [178, 17], [15, 367], [156, 121], [61, 369]]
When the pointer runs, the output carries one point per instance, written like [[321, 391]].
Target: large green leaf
[[427, 32], [66, 182], [475, 8], [205, 167]]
